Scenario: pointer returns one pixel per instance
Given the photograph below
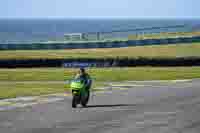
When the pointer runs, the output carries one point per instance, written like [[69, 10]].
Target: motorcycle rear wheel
[[84, 100]]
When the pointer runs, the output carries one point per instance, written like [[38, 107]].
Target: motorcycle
[[80, 93]]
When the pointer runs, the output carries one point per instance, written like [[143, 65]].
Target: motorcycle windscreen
[[76, 85]]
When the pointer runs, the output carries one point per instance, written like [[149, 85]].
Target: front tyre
[[74, 101]]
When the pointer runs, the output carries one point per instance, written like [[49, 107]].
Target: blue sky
[[99, 8]]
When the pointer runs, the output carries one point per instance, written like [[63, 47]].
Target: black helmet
[[82, 69]]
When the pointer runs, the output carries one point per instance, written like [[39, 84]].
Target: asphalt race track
[[134, 108]]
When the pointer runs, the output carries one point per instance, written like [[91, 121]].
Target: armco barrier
[[114, 44]]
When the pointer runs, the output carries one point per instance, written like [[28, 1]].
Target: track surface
[[144, 108]]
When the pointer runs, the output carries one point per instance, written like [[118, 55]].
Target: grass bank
[[154, 51], [14, 89], [24, 82], [101, 74]]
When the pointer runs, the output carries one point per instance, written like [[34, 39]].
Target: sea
[[42, 30]]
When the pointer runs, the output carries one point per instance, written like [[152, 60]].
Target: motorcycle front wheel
[[75, 100]]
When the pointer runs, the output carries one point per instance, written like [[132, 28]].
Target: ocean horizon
[[47, 29]]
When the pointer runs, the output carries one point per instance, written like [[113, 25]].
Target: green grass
[[12, 80], [11, 90], [36, 74], [103, 74], [156, 51], [16, 89]]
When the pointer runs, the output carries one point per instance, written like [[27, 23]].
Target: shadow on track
[[111, 105]]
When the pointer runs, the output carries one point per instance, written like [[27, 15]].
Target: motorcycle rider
[[82, 74]]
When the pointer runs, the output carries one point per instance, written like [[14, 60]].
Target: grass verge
[[154, 51], [12, 90], [101, 74], [24, 82]]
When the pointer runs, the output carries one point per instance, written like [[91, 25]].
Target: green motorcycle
[[80, 93]]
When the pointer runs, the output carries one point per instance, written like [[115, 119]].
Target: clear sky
[[98, 8]]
